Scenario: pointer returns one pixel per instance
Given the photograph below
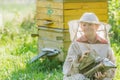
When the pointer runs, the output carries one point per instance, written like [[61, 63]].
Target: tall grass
[[17, 47]]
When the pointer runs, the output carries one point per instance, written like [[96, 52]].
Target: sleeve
[[111, 72], [71, 63]]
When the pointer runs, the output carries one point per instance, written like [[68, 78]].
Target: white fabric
[[75, 77], [77, 50], [76, 31], [90, 18], [107, 79]]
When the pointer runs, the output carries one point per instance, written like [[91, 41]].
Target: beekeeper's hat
[[89, 17]]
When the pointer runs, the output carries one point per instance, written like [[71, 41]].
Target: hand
[[99, 75], [84, 55]]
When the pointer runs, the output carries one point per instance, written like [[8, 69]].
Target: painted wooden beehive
[[54, 39], [57, 13], [52, 17]]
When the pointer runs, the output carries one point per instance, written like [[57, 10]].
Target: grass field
[[17, 47]]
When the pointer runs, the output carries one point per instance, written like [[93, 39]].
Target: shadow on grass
[[39, 70]]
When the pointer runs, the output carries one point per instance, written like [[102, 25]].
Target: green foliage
[[39, 70], [114, 18], [17, 47]]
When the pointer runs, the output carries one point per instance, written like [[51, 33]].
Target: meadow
[[17, 47]]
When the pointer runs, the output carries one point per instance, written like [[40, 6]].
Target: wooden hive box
[[55, 39], [57, 13]]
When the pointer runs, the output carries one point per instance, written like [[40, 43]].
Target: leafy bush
[[114, 18]]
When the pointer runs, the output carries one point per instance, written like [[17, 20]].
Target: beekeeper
[[86, 36]]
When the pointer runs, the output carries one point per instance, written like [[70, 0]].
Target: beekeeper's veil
[[76, 31]]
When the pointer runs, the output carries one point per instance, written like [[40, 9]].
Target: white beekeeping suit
[[78, 49]]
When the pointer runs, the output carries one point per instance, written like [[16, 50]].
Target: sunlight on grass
[[118, 67], [18, 47]]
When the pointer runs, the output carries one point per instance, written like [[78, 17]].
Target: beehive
[[55, 39], [57, 13]]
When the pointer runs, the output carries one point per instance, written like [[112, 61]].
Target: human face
[[89, 28]]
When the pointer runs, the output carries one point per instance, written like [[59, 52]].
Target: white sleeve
[[71, 63], [111, 57]]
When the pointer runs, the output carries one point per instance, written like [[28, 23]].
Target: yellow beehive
[[57, 13]]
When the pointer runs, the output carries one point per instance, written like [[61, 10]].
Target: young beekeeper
[[88, 26]]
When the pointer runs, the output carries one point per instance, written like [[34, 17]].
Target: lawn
[[17, 47]]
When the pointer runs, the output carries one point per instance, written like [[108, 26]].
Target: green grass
[[116, 49], [17, 47], [118, 67]]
